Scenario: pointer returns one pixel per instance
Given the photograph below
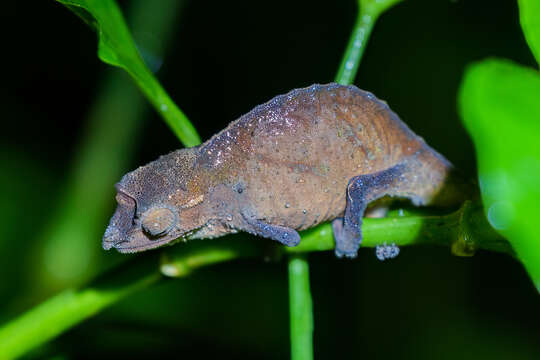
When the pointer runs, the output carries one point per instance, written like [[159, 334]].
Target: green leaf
[[529, 16], [500, 107], [116, 47]]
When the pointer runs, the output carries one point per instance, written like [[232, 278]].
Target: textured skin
[[298, 160]]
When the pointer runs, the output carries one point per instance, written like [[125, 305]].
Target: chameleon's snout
[[128, 232], [121, 223], [110, 238], [132, 240]]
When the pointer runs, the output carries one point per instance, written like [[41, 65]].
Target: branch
[[300, 303], [301, 309], [465, 231]]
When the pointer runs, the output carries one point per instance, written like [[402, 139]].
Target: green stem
[[369, 12], [464, 231], [301, 316], [72, 306], [116, 47], [174, 117], [68, 254], [301, 312], [467, 226]]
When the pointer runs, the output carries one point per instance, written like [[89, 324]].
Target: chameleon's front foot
[[282, 234]]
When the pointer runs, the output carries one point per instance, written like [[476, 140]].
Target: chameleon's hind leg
[[424, 178], [361, 190]]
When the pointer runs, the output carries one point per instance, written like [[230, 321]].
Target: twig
[[72, 306], [301, 309], [369, 12], [301, 316]]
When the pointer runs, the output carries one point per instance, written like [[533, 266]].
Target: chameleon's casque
[[315, 154]]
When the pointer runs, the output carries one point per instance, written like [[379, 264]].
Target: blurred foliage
[[116, 47], [68, 254], [21, 178], [529, 11], [500, 106], [226, 58]]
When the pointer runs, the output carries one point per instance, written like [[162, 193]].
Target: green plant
[[464, 229], [500, 108]]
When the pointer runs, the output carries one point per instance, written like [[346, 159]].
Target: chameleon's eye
[[158, 221]]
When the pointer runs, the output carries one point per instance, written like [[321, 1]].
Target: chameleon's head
[[157, 203]]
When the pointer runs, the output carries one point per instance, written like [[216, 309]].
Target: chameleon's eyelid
[[128, 201], [120, 191]]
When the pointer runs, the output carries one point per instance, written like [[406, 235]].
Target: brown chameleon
[[315, 154]]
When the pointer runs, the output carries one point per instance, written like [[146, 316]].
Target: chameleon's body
[[312, 155]]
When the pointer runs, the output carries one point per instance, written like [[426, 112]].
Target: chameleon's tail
[[442, 184]]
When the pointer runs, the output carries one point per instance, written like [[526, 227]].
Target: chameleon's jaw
[[135, 242]]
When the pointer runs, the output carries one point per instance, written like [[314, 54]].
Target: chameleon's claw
[[347, 243], [384, 251]]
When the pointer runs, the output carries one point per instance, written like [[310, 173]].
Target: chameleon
[[312, 155]]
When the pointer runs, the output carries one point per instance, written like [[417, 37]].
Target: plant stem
[[301, 312], [116, 47], [72, 306], [174, 117], [67, 254], [369, 12]]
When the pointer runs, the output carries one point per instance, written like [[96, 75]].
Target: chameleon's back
[[296, 153]]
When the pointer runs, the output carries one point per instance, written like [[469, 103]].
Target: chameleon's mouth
[[137, 240]]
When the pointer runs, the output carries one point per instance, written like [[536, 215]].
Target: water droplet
[[169, 270]]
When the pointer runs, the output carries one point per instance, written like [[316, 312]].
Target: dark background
[[224, 58]]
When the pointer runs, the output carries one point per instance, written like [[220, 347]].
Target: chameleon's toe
[[347, 242]]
